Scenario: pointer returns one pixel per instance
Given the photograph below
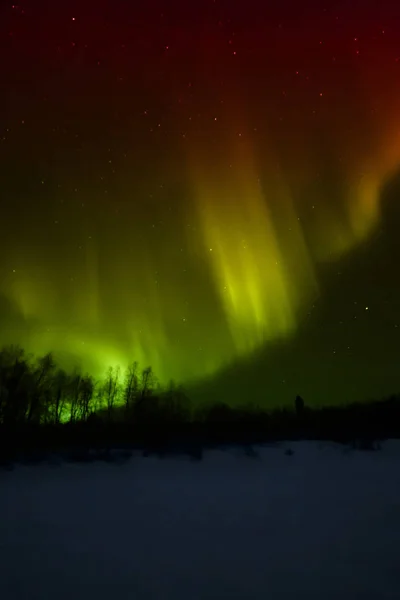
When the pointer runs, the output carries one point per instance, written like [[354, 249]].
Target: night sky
[[209, 187]]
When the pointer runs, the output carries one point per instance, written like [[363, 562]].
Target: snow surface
[[322, 523]]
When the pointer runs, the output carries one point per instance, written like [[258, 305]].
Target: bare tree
[[73, 394], [148, 382], [16, 383], [146, 405], [59, 399], [43, 371], [86, 389], [112, 389], [131, 388]]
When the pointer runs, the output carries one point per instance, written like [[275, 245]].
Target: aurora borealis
[[204, 186]]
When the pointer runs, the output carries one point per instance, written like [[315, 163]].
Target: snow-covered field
[[320, 524]]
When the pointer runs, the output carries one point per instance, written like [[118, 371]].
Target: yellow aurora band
[[245, 254]]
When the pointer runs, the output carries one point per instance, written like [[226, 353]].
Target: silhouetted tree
[[40, 394], [17, 384], [131, 388], [299, 405], [219, 413], [73, 396], [146, 404], [111, 390], [176, 403], [60, 381], [86, 389], [147, 382]]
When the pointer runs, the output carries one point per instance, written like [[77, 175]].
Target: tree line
[[44, 407], [36, 391]]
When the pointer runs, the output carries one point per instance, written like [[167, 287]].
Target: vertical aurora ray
[[240, 242]]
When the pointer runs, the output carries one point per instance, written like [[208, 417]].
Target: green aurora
[[192, 210]]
